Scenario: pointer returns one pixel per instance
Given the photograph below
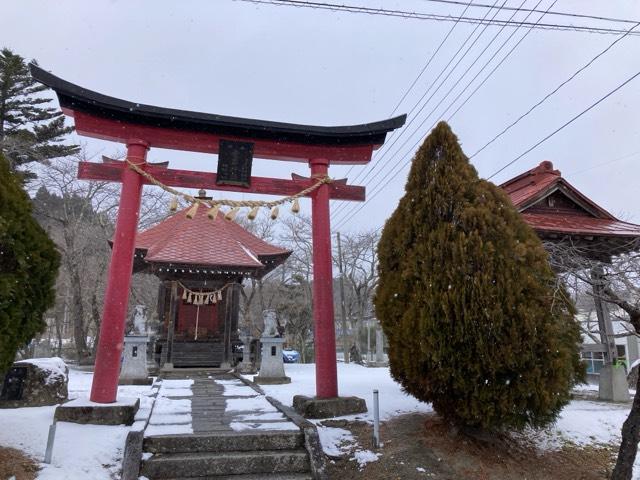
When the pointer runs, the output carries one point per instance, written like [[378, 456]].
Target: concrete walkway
[[211, 402], [211, 425]]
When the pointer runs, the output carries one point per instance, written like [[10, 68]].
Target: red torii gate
[[141, 127]]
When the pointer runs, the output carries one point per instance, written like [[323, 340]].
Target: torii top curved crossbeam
[[110, 118]]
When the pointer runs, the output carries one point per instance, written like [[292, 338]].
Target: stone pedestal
[[272, 365], [310, 407], [613, 385], [134, 363], [82, 410], [379, 360], [246, 366]]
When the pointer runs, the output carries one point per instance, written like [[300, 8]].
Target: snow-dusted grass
[[80, 451], [365, 456], [336, 442]]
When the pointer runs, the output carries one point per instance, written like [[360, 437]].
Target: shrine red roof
[[551, 205], [205, 242]]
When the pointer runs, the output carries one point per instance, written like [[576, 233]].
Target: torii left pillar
[[323, 318], [116, 298]]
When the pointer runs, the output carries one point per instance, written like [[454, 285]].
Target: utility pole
[[343, 312]]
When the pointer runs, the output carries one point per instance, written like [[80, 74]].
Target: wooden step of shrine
[[197, 354]]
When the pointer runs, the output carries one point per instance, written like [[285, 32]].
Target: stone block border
[[317, 458], [132, 455]]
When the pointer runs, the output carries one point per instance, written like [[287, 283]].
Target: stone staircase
[[252, 455]]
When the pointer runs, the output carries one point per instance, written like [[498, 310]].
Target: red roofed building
[[556, 210], [201, 264], [586, 236]]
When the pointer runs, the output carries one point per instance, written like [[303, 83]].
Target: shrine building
[[564, 217], [557, 211], [201, 264]]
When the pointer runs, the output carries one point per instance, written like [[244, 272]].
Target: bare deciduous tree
[[79, 216], [616, 281]]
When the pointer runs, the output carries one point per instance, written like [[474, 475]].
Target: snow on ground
[[336, 442], [581, 422], [354, 380], [172, 410], [249, 404], [80, 451], [97, 450], [250, 410], [55, 366], [243, 426], [584, 422], [235, 388], [365, 456]]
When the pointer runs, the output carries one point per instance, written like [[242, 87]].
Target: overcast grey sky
[[334, 68]]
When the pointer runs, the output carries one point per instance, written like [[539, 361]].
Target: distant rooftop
[[551, 205]]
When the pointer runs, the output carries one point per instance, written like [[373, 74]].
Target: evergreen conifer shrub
[[28, 267], [476, 320]]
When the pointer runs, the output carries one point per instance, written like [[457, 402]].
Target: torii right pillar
[[323, 318], [327, 403]]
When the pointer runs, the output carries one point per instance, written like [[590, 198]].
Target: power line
[[415, 130], [382, 181], [617, 159], [387, 147], [335, 7], [564, 125], [552, 92], [535, 106], [424, 68], [535, 10], [490, 74]]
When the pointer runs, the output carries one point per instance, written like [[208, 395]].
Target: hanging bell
[[231, 214], [274, 213], [253, 213], [295, 208], [213, 212], [173, 205], [193, 210]]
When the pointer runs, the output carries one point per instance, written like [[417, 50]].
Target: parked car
[[290, 356]]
